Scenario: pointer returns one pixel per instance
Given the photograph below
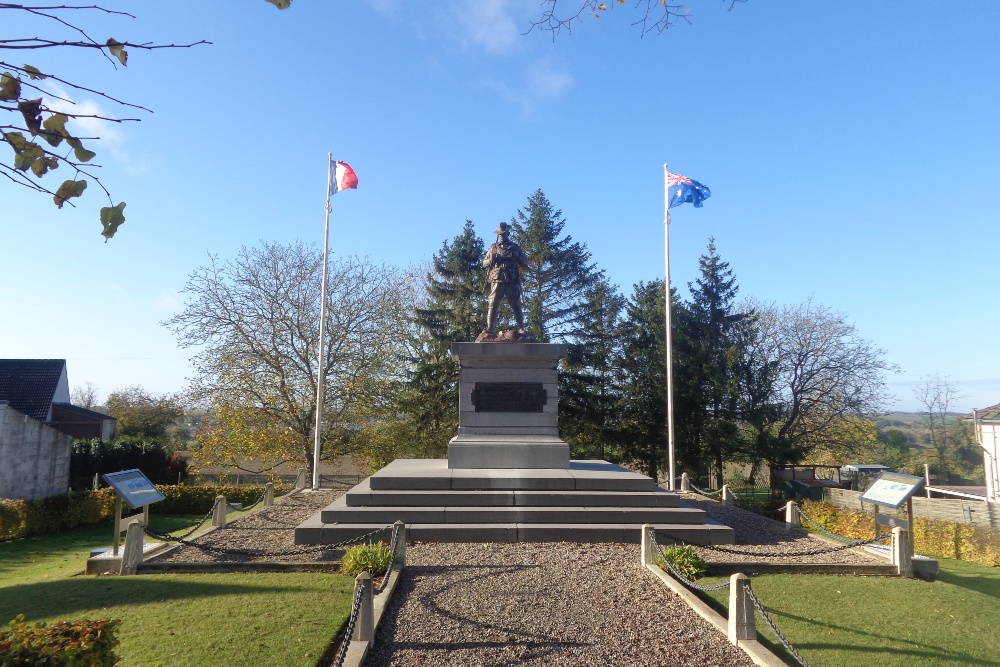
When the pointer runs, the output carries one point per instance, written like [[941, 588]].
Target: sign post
[[133, 488], [892, 489]]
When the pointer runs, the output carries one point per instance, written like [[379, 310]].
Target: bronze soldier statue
[[503, 261]]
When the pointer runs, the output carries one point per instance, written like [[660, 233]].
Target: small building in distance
[[37, 425], [987, 425]]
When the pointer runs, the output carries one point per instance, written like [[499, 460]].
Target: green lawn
[[834, 621], [171, 619]]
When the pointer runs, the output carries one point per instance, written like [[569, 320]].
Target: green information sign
[[892, 489]]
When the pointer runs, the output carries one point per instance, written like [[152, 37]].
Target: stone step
[[314, 531], [435, 475], [340, 512], [362, 495]]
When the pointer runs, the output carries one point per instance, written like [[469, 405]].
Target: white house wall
[[34, 458], [989, 438]]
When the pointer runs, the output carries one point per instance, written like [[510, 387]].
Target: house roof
[[989, 414], [29, 385], [76, 409]]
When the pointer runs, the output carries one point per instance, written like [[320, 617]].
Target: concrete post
[[364, 628], [400, 544], [727, 495], [646, 556], [132, 553], [792, 518], [685, 482], [219, 512], [300, 481], [268, 494], [901, 552], [741, 620]]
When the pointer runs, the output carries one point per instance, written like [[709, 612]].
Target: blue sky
[[851, 149]]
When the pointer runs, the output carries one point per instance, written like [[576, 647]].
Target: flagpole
[[671, 472], [320, 374]]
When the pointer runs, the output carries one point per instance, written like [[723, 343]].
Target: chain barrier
[[793, 554], [704, 492], [355, 612], [690, 583], [256, 553], [247, 508], [823, 530], [750, 508], [774, 628], [170, 538]]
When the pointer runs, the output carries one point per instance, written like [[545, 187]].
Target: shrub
[[685, 560], [62, 644], [373, 558], [975, 543]]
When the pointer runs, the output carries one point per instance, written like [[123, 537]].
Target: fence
[[234, 479], [957, 510]]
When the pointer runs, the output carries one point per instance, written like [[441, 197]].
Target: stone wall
[[34, 458]]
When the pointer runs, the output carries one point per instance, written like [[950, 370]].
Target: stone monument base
[[508, 451]]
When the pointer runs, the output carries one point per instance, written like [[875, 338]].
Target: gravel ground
[[270, 531], [513, 604], [540, 604], [762, 538]]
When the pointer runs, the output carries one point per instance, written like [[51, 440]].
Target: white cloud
[[487, 24], [543, 79]]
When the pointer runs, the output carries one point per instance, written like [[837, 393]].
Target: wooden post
[[901, 557], [219, 512], [364, 628], [268, 494], [132, 553], [400, 544], [118, 525], [909, 523], [727, 495], [792, 519], [741, 620], [646, 553]]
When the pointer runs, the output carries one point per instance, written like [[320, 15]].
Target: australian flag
[[682, 189]]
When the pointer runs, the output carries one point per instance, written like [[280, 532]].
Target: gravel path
[[513, 604], [540, 604], [270, 531], [762, 538]]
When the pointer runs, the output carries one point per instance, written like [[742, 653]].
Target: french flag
[[342, 178]]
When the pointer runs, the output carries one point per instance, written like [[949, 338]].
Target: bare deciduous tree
[[85, 395], [256, 322]]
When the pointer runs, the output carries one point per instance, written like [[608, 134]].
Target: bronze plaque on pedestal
[[509, 396]]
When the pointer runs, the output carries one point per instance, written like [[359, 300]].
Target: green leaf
[[10, 87], [34, 73], [281, 4], [112, 217], [16, 140], [42, 165], [55, 129], [25, 157], [32, 112], [68, 190], [118, 51], [82, 154]]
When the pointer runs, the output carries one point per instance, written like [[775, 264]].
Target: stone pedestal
[[508, 407]]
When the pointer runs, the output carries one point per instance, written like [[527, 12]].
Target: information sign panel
[[133, 487], [892, 489]]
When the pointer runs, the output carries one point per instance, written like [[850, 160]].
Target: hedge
[[971, 542], [61, 644], [24, 518]]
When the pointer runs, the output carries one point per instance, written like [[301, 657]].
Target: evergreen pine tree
[[715, 348], [559, 273], [455, 311]]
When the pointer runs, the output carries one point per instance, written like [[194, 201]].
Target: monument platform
[[589, 501]]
